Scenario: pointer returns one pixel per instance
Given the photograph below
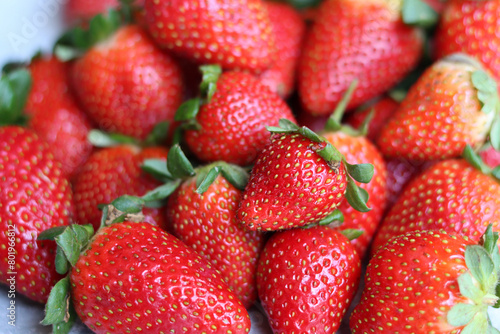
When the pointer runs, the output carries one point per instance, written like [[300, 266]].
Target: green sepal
[[495, 132], [497, 293], [51, 233], [288, 124], [361, 172], [210, 76], [56, 308], [161, 192], [487, 91], [365, 125], [72, 241], [178, 164], [104, 215], [188, 110], [330, 153], [100, 138], [356, 196], [461, 314], [334, 122], [475, 160], [61, 262], [128, 204], [351, 233], [479, 263], [158, 169], [335, 216], [15, 87], [204, 179], [489, 241], [469, 287], [418, 13], [479, 324], [158, 135], [64, 327], [235, 175]]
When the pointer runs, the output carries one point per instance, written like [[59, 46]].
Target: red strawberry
[[235, 34], [288, 30], [429, 282], [113, 172], [231, 125], [451, 105], [127, 84], [471, 27], [451, 195], [205, 220], [34, 196], [352, 40], [491, 157], [306, 280], [55, 116]]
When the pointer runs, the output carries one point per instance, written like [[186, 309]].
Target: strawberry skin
[[352, 39], [34, 196], [471, 27], [306, 280], [207, 223], [233, 124], [126, 84], [290, 186], [451, 195], [135, 277], [111, 173], [358, 149], [235, 34], [411, 284]]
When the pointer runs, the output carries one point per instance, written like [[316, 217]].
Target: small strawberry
[[351, 39], [299, 179], [451, 195], [430, 282], [235, 34], [454, 103], [471, 27], [34, 196], [230, 124], [135, 277], [288, 30], [307, 279]]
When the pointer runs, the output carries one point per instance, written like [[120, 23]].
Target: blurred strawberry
[[490, 156], [84, 10]]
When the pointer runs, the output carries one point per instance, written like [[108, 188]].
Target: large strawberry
[[454, 103], [471, 27], [235, 34], [352, 39], [135, 277], [306, 279], [451, 195], [34, 196], [430, 282], [231, 123], [298, 179]]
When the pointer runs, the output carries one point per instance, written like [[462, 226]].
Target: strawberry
[[471, 27], [490, 156], [202, 213], [83, 10], [34, 196], [55, 115], [352, 40], [288, 30], [454, 103], [451, 195], [306, 280], [235, 34], [113, 172], [429, 282], [230, 125], [299, 179], [135, 277]]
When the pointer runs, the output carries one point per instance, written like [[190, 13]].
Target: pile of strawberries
[[174, 163]]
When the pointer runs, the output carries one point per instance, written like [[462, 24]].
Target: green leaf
[[104, 215], [461, 314], [490, 239], [66, 53], [277, 129], [335, 216], [334, 121], [65, 326], [235, 175], [469, 288], [419, 13], [495, 132], [158, 135], [497, 293], [14, 90], [210, 76], [99, 138], [364, 127], [310, 134], [330, 153], [178, 164], [52, 233], [355, 196], [83, 233], [479, 263], [70, 245], [487, 91], [205, 181], [162, 191], [57, 304], [479, 324], [128, 204], [351, 233], [157, 168], [361, 172], [475, 160], [61, 262], [287, 124], [188, 110]]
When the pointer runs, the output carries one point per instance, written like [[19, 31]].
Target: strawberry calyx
[[355, 195], [480, 284], [206, 175], [475, 160], [15, 87], [156, 137], [419, 13], [334, 122]]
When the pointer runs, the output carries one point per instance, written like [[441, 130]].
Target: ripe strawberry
[[454, 103], [299, 179], [429, 282], [55, 116], [126, 84], [205, 220], [352, 40], [451, 195], [235, 34], [471, 27], [34, 196], [288, 30], [491, 157], [113, 172], [306, 280], [231, 125]]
